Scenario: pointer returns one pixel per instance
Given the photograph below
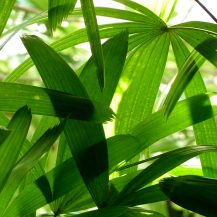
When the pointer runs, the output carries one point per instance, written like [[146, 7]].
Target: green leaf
[[186, 113], [121, 148], [185, 75], [205, 132], [121, 211], [32, 198], [44, 101], [170, 160], [151, 194], [198, 194], [87, 141], [121, 14], [26, 163], [142, 77], [10, 148], [4, 133], [80, 36], [94, 38], [204, 43], [115, 51], [200, 27], [6, 7], [59, 10], [140, 8]]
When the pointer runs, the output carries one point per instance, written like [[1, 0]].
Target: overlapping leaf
[[10, 148], [115, 52], [205, 132], [26, 163], [94, 38], [87, 141], [50, 102], [171, 160], [185, 75]]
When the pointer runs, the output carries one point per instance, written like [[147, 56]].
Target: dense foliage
[[85, 158]]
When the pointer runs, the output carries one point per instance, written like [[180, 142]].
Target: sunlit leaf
[[185, 75], [152, 17], [6, 7], [115, 52], [199, 26], [94, 38], [141, 79], [80, 36], [44, 101], [205, 132]]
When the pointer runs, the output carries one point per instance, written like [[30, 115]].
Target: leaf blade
[[45, 101], [192, 192], [172, 159], [27, 162], [94, 38], [59, 10], [6, 7], [84, 139], [9, 150]]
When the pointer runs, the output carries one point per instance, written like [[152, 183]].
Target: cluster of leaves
[[77, 104]]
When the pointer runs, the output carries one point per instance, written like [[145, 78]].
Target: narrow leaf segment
[[94, 38], [6, 7], [59, 10]]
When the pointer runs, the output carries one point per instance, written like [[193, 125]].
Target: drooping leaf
[[199, 26], [94, 38], [185, 75], [115, 51], [171, 160], [199, 38], [50, 102], [6, 7], [59, 10], [86, 141], [205, 132], [10, 148], [192, 192]]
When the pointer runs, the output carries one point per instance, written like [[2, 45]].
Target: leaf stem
[[205, 9]]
